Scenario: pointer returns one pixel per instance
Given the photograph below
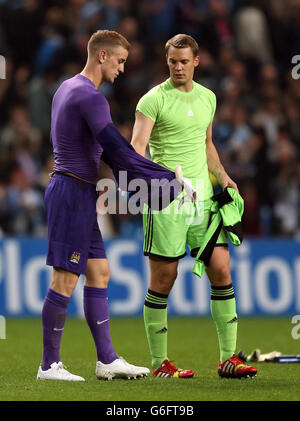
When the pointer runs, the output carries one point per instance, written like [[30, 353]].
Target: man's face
[[181, 63], [114, 64]]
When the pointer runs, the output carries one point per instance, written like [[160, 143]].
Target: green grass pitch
[[192, 344]]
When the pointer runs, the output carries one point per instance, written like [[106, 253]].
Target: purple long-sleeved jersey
[[79, 113]]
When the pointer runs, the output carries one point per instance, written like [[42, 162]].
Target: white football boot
[[57, 372], [120, 369]]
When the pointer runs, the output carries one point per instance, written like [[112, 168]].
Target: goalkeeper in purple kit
[[82, 132]]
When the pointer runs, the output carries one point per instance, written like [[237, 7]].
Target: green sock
[[155, 319], [223, 311]]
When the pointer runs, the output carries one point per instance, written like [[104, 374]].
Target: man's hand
[[225, 181], [186, 184]]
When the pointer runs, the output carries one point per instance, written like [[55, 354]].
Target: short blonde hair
[[108, 40], [183, 41]]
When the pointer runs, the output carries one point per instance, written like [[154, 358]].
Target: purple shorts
[[73, 232]]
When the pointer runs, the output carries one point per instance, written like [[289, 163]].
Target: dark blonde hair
[[182, 41], [107, 40]]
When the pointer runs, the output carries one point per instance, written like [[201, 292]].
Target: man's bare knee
[[219, 275], [97, 273], [63, 281], [162, 285], [218, 270], [163, 276]]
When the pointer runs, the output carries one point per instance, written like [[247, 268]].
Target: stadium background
[[246, 54]]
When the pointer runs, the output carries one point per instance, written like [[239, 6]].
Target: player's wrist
[[221, 176]]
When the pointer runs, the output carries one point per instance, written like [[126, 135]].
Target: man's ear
[[102, 56], [196, 61]]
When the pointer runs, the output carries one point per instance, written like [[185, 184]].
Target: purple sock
[[53, 318], [97, 316]]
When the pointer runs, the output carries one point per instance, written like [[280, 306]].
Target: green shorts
[[167, 232]]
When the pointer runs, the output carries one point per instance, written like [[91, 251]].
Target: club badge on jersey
[[75, 257]]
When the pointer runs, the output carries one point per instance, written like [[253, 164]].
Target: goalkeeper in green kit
[[175, 119]]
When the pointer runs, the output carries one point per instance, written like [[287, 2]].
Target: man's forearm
[[217, 169], [214, 163], [140, 149]]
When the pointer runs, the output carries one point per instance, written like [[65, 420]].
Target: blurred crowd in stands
[[246, 51]]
